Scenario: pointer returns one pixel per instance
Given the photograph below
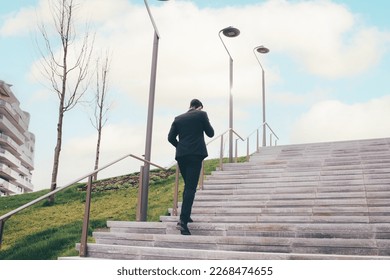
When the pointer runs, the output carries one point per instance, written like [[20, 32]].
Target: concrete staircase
[[309, 201]]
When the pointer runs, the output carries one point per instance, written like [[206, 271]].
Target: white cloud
[[333, 120], [290, 98], [324, 38]]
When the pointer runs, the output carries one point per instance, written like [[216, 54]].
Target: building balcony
[[9, 188], [8, 158], [19, 117], [5, 171], [17, 151], [8, 143], [25, 184], [12, 180], [9, 129], [27, 161]]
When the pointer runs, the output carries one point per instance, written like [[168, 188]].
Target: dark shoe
[[183, 228], [186, 231]]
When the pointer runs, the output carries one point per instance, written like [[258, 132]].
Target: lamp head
[[262, 49], [230, 32]]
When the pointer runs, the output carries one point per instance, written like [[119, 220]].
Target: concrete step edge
[[133, 252]]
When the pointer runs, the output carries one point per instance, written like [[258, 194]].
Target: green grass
[[45, 232]]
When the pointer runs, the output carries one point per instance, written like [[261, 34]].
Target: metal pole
[[231, 111], [149, 129], [144, 191], [230, 32], [263, 50], [264, 122]]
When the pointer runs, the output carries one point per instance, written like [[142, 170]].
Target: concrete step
[[302, 219], [316, 230], [321, 173], [367, 183], [264, 202], [103, 251], [367, 191], [338, 246], [290, 194], [289, 211]]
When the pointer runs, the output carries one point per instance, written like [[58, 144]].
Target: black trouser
[[190, 167]]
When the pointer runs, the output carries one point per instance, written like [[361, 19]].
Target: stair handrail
[[272, 133], [89, 175], [247, 144]]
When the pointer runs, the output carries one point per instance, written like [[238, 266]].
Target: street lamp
[[144, 187], [262, 50], [230, 32]]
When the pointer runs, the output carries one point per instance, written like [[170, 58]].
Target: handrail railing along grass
[[83, 247]]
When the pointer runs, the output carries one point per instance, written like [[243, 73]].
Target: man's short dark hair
[[196, 103]]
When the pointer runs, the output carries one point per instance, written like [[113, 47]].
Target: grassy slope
[[46, 232]]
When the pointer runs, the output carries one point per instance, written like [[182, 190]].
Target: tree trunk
[[57, 152], [97, 152]]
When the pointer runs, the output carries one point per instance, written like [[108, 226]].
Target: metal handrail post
[[141, 178], [176, 192], [247, 149], [221, 155], [2, 223], [201, 179], [257, 140], [236, 152], [84, 233], [272, 131]]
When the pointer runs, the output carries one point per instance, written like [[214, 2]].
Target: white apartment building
[[16, 145]]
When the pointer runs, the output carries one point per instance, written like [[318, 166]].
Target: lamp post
[[230, 32], [145, 169], [262, 50]]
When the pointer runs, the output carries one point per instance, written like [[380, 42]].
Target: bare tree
[[100, 106], [67, 68]]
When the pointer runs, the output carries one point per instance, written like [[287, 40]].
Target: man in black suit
[[190, 152]]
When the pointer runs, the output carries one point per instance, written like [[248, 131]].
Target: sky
[[325, 75]]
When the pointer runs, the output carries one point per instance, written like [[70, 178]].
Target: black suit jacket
[[189, 128]]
